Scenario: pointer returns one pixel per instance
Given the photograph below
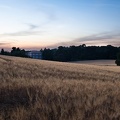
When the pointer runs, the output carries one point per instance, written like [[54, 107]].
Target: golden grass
[[43, 90]]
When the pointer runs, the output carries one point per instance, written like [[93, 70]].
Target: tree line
[[14, 52], [82, 52], [73, 53]]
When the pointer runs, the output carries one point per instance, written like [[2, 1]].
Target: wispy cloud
[[21, 33], [1, 43], [32, 26], [105, 38], [35, 29], [99, 37], [31, 31]]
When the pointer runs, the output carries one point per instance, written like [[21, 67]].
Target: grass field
[[43, 90]]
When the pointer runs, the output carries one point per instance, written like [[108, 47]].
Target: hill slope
[[44, 90]]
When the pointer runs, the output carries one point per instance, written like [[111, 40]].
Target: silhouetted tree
[[118, 59], [18, 52], [2, 52]]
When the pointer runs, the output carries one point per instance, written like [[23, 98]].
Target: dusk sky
[[36, 24]]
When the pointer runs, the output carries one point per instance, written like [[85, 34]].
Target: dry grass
[[43, 90]]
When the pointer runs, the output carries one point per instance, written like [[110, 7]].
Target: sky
[[36, 24]]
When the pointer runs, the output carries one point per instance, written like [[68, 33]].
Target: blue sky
[[35, 24]]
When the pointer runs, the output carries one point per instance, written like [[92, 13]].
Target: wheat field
[[43, 90]]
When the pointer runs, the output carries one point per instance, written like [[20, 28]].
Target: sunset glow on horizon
[[36, 24]]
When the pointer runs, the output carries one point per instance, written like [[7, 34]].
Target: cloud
[[51, 16], [48, 10], [105, 38], [99, 37], [21, 33], [1, 44], [32, 26], [30, 31]]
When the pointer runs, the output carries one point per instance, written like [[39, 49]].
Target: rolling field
[[43, 90]]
